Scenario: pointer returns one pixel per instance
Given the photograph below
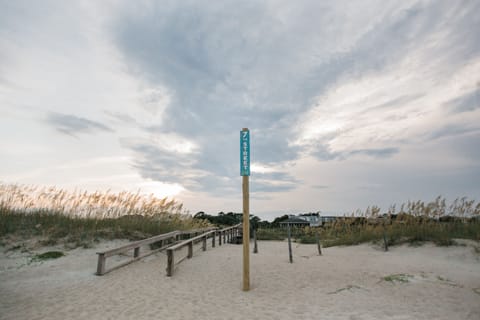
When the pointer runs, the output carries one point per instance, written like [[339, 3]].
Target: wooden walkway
[[171, 242], [228, 235]]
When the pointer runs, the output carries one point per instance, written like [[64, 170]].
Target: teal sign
[[244, 153]]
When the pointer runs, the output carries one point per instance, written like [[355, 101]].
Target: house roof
[[294, 220]]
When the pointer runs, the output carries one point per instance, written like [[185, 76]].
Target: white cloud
[[403, 102], [369, 85], [171, 142]]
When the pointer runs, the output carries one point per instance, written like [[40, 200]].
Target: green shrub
[[272, 234], [48, 255]]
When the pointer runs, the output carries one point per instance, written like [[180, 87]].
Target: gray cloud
[[73, 125], [273, 182], [323, 153], [465, 103], [464, 144], [451, 131], [214, 173], [224, 65], [122, 118], [155, 163], [397, 102], [266, 187], [376, 153], [244, 65]]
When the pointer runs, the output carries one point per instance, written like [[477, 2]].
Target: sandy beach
[[343, 283]]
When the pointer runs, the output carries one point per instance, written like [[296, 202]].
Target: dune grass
[[81, 218], [400, 277], [415, 223], [48, 255]]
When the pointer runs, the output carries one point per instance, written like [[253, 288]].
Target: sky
[[349, 103]]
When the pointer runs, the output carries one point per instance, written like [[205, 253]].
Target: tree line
[[233, 218]]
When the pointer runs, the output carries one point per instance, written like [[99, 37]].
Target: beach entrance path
[[357, 282]]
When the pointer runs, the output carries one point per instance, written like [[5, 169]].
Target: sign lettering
[[245, 153]]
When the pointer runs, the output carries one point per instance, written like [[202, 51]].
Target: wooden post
[[220, 238], [255, 247], [101, 264], [204, 244], [245, 173], [170, 263], [246, 234], [136, 252], [224, 236], [385, 237], [190, 250], [213, 239], [289, 243], [318, 243]]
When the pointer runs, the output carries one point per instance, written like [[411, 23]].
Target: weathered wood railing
[[165, 240], [228, 234]]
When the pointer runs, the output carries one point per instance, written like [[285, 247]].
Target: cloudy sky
[[349, 103]]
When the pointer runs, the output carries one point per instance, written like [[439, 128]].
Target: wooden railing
[[228, 235], [165, 240]]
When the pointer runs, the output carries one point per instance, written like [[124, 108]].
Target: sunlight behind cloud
[[160, 189], [399, 103], [172, 142]]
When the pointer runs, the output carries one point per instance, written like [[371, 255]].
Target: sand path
[[344, 283]]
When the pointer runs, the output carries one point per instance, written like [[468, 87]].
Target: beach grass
[[400, 277], [48, 255], [79, 219], [414, 224]]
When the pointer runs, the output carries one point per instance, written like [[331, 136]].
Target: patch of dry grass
[[81, 218]]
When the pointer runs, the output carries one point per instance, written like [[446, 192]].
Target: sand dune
[[344, 283]]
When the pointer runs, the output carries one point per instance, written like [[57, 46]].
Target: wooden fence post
[[290, 243], [204, 243], [318, 243], [170, 263], [385, 242], [190, 250], [136, 252], [213, 239], [255, 247], [101, 264]]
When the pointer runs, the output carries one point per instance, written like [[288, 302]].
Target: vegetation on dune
[[48, 255], [400, 277], [227, 219], [415, 223], [98, 205], [81, 218]]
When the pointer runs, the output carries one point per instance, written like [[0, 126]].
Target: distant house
[[307, 219], [295, 221], [327, 219]]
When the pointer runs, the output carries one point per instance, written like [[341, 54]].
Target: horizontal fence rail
[[228, 235], [165, 240]]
